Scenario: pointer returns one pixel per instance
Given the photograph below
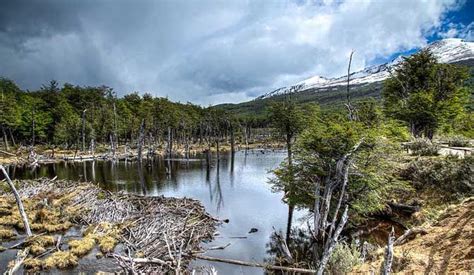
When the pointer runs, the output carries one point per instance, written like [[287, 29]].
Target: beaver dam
[[141, 234]]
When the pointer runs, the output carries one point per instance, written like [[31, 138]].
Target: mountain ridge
[[450, 50]]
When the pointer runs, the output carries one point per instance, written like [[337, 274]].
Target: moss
[[11, 220], [101, 195], [6, 233], [38, 244], [61, 260], [107, 244], [32, 264], [83, 246], [61, 226], [5, 211], [36, 249]]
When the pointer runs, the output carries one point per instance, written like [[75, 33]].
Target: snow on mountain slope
[[449, 50], [452, 50]]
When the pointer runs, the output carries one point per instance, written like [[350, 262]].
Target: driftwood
[[409, 234], [161, 228], [20, 258], [387, 263], [18, 202], [265, 266], [7, 153]]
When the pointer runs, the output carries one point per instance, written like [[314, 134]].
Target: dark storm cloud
[[203, 51]]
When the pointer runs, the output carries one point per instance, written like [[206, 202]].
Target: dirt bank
[[447, 247]]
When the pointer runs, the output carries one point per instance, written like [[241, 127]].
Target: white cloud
[[459, 31], [221, 51]]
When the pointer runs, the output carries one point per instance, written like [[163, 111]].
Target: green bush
[[343, 258], [423, 147], [453, 174], [459, 141]]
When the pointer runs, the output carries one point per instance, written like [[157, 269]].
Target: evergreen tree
[[425, 94]]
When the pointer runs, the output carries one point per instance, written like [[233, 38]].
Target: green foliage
[[452, 174], [343, 258], [423, 147], [53, 114], [287, 118], [426, 95], [458, 141]]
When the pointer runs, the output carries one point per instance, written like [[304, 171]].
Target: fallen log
[[21, 209], [409, 234], [251, 264], [7, 153]]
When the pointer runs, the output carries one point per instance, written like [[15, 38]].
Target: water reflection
[[234, 188]]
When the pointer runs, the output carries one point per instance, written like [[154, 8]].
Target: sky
[[209, 51]]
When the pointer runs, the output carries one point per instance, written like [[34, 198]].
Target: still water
[[238, 190]]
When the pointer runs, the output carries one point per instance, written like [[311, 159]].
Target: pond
[[238, 190]]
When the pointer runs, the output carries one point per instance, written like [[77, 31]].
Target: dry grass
[[83, 246], [445, 249], [32, 264], [6, 233], [61, 260]]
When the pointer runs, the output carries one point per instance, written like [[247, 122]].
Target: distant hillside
[[331, 92]]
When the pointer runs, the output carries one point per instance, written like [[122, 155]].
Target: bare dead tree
[[23, 215], [5, 139], [84, 130], [327, 234], [387, 263], [33, 122], [349, 106], [141, 136]]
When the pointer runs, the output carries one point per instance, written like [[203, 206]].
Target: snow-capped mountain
[[451, 50]]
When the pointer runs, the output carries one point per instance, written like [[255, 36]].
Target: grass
[[61, 260], [6, 233], [32, 264], [83, 246]]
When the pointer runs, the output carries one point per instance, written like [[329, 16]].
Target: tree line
[[82, 117]]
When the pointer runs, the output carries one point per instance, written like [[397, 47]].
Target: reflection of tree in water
[[218, 190], [300, 246], [215, 192]]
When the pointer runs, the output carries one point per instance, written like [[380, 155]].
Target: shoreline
[[45, 156]]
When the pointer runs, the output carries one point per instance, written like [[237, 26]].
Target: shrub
[[423, 147], [459, 141], [343, 258], [453, 174]]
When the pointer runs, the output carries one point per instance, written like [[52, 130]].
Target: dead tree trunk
[[232, 141], [33, 128], [84, 130], [23, 215], [141, 136], [11, 136], [349, 106], [170, 142], [5, 139], [387, 263], [327, 237], [115, 127]]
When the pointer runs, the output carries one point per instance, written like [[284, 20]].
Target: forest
[[372, 174]]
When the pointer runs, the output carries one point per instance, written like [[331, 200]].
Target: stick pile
[[167, 230]]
